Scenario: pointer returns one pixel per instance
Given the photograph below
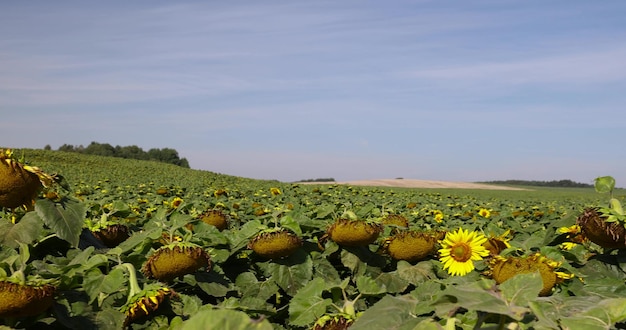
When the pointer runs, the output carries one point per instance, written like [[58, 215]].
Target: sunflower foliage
[[485, 259]]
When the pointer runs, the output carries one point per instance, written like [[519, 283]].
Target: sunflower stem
[[132, 281]]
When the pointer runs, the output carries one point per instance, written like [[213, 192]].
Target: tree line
[[553, 183], [164, 155]]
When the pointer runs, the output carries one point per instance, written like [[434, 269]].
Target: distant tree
[[166, 155], [100, 149], [47, 147], [67, 147]]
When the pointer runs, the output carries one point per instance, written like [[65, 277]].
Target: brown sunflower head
[[145, 303], [112, 235], [216, 218], [19, 183], [20, 300], [410, 245], [504, 268], [275, 243], [175, 260], [334, 322], [496, 244], [396, 220], [348, 232], [594, 226]]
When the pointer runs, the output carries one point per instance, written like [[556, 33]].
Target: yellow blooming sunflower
[[484, 213], [460, 249], [275, 191]]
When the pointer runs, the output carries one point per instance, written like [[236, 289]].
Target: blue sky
[[289, 90]]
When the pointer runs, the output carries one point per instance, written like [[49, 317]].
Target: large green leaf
[[65, 218], [416, 274], [291, 274], [223, 319], [26, 230], [474, 297], [308, 305], [522, 288], [99, 286], [388, 313]]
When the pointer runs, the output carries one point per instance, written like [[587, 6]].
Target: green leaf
[[388, 313], [26, 230], [308, 305], [604, 184], [289, 275], [416, 274], [254, 294], [99, 286], [473, 297], [290, 223], [223, 319], [392, 282], [522, 288], [65, 218], [367, 286], [239, 238]]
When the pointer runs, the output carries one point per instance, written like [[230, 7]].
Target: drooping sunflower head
[[175, 260], [216, 218], [504, 268], [275, 243], [146, 302], [349, 232], [396, 220], [112, 235], [496, 244], [459, 250], [410, 245], [594, 226], [339, 321], [19, 183], [23, 300]]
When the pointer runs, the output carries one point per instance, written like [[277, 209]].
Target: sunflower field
[[89, 242]]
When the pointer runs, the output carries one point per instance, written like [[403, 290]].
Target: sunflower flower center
[[461, 252]]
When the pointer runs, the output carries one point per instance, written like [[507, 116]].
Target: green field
[[321, 278]]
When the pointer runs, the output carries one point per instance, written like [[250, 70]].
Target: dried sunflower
[[504, 268], [410, 245], [216, 218], [143, 303], [19, 183], [174, 260], [275, 243], [25, 300], [349, 232]]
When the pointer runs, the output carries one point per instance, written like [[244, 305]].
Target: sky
[[352, 90]]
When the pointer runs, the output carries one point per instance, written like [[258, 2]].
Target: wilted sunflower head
[[459, 250], [339, 321], [19, 183], [594, 226], [111, 235], [146, 302], [348, 232], [216, 218], [275, 243], [23, 300], [410, 245], [175, 260], [496, 244], [396, 220], [504, 268]]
